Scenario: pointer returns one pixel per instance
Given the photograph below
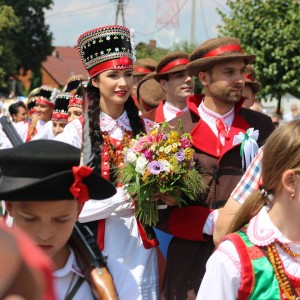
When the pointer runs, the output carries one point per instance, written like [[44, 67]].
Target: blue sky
[[69, 18]]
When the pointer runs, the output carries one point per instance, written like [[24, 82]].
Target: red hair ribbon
[[118, 63], [75, 102], [223, 49], [78, 189], [59, 116], [44, 101], [174, 63]]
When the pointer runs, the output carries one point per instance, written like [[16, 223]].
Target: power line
[[76, 10], [203, 19], [165, 25]]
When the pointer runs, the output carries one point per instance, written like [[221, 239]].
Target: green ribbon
[[246, 138]]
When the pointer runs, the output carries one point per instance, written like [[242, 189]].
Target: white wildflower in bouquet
[[160, 162]]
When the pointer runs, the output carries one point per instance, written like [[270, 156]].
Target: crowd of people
[[238, 240]]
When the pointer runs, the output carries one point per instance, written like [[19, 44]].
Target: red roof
[[63, 63]]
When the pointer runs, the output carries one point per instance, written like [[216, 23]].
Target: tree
[[33, 40], [270, 30], [143, 50], [8, 25]]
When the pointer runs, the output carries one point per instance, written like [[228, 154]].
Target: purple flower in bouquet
[[155, 167], [180, 156], [185, 143], [165, 137]]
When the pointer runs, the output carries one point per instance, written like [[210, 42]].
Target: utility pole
[[120, 10], [193, 22]]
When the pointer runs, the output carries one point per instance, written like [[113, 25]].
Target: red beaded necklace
[[112, 153]]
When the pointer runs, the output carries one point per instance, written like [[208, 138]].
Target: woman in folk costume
[[44, 106], [60, 113], [261, 260], [108, 55], [72, 133]]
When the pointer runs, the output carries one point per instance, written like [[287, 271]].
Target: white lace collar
[[262, 232], [70, 266], [107, 123]]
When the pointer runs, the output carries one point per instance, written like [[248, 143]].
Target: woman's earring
[[292, 197]]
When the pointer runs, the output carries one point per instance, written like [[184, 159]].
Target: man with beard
[[177, 84], [225, 137]]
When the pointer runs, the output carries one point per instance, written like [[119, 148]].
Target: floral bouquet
[[159, 162]]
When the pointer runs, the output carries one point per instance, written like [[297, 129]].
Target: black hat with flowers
[[45, 170], [45, 95], [106, 48], [73, 83], [60, 111], [31, 100]]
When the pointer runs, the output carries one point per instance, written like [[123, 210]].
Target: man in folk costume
[[177, 83], [226, 137], [251, 87]]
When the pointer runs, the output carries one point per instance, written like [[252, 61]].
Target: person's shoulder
[[255, 116]]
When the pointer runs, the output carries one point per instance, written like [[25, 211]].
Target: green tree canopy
[[270, 30], [32, 40], [9, 24]]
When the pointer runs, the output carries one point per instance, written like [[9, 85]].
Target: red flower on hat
[[124, 60]]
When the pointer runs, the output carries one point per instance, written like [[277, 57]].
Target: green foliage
[[184, 46], [143, 51], [31, 40], [270, 30], [8, 25]]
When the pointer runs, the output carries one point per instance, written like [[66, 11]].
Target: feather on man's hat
[[215, 51], [44, 170]]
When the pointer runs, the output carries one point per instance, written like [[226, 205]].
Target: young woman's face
[[43, 112], [114, 85], [20, 115], [48, 223], [74, 113], [58, 126]]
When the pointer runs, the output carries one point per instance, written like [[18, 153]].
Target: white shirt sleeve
[[222, 277], [210, 222], [72, 134], [96, 210], [46, 133]]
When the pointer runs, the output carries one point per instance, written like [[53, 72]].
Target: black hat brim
[[56, 187]]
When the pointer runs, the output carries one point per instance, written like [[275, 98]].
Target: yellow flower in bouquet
[[160, 162]]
